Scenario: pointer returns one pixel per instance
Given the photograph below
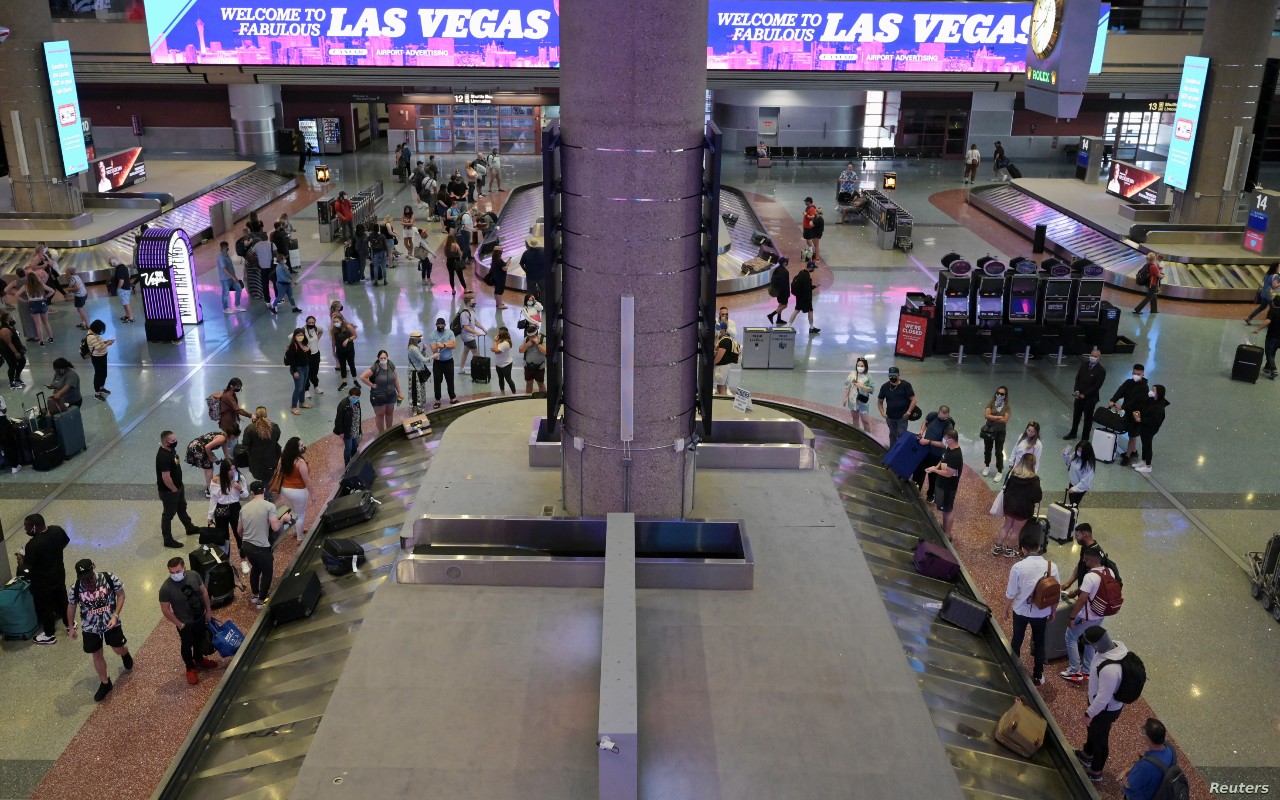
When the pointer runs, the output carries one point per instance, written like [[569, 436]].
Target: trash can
[[221, 217], [782, 348], [755, 348]]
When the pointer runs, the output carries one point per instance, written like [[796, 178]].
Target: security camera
[[4, 34]]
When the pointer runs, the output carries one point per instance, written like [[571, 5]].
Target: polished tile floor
[[1179, 533]]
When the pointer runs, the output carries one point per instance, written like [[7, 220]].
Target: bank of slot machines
[[995, 305]]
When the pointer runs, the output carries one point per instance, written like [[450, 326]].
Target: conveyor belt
[[247, 193], [1069, 237], [253, 739], [523, 208]]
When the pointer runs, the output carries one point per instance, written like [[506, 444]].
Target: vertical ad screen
[[1186, 121], [66, 107]]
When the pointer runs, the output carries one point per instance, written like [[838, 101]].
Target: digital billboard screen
[[66, 107], [1186, 121], [1134, 184], [118, 170], [793, 35]]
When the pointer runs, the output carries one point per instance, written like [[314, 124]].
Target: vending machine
[[310, 130], [330, 135]]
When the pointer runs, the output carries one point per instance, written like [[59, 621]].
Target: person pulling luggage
[[42, 559]]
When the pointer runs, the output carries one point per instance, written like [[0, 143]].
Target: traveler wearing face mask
[[994, 427], [184, 601], [295, 482], [531, 313], [858, 388], [1028, 442], [384, 389], [1081, 466], [419, 372], [1089, 380], [100, 598], [946, 475], [348, 425], [169, 485], [1130, 397], [935, 424], [472, 330], [297, 357], [314, 334], [1149, 418], [442, 343], [896, 401]]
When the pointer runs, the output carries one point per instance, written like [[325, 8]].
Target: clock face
[[1046, 23]]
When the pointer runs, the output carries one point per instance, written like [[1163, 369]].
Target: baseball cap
[[1092, 550], [894, 371], [257, 487], [440, 321], [84, 567]]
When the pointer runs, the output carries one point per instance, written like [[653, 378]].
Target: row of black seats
[[844, 153]]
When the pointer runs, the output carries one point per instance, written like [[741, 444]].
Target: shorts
[[38, 307], [808, 234], [538, 373], [722, 374], [81, 299], [471, 345], [125, 296], [861, 407], [93, 641], [944, 496]]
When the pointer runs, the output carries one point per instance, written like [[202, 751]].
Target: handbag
[[987, 433], [423, 374], [222, 512], [997, 505], [422, 253]]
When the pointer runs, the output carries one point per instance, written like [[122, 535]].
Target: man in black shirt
[[1084, 537], [948, 470], [169, 484], [896, 400], [280, 240], [1272, 343], [1130, 397], [1089, 380], [42, 558], [534, 264]]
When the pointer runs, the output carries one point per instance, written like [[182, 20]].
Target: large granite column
[[1237, 37], [632, 94], [24, 88]]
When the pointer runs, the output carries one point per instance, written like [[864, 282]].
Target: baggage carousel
[[249, 191], [1225, 277], [257, 730], [521, 216]]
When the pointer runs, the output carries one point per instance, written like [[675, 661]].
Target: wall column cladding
[[633, 93], [253, 117]]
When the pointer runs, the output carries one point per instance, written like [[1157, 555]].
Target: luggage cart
[[902, 232], [1265, 585]]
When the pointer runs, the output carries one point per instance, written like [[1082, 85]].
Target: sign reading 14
[[1046, 25]]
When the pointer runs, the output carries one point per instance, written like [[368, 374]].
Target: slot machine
[[989, 302], [1086, 306], [1022, 291], [1055, 295]]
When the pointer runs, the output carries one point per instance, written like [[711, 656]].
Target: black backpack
[[377, 241], [242, 247], [1174, 785], [84, 347], [1144, 276], [1133, 676], [456, 324]]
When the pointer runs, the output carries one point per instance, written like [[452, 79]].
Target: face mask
[[382, 362], [354, 400], [529, 303], [1152, 395], [862, 370], [439, 329], [177, 577], [894, 379], [1136, 377], [1093, 360]]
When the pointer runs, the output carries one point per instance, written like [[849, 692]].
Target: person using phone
[[98, 344]]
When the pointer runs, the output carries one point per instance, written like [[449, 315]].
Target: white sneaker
[[42, 639], [228, 311], [997, 477], [1143, 468], [244, 567], [986, 471]]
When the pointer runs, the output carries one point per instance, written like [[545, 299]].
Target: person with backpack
[[1022, 494], [100, 598], [1156, 774], [1099, 596], [1270, 286], [804, 288], [229, 409], [468, 328], [1033, 591], [1083, 535], [1116, 678], [727, 353], [442, 342], [377, 244], [1149, 276]]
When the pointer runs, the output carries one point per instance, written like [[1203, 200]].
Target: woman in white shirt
[[503, 358], [225, 493], [1028, 442], [858, 390], [530, 313], [1081, 466]]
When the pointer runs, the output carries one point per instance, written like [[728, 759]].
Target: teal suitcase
[[17, 610]]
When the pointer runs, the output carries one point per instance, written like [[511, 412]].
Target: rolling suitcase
[[934, 561], [345, 511], [1248, 363], [341, 556], [905, 455], [69, 426], [46, 452], [1021, 729], [295, 597], [1104, 444], [18, 610], [350, 270], [358, 477], [964, 612], [1055, 632], [217, 574], [481, 366], [1060, 522], [1013, 170]]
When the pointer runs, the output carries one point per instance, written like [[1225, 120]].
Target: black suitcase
[[343, 512], [46, 450], [1104, 417], [212, 536], [481, 369], [964, 611], [358, 477], [1248, 364], [295, 597], [338, 555], [217, 574], [1013, 170]]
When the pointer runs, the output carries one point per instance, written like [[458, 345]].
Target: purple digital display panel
[[925, 36], [166, 276]]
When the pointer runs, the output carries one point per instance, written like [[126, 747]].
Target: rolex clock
[[1046, 25]]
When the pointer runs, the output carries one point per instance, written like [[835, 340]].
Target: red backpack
[[1107, 600]]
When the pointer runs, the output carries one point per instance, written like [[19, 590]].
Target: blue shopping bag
[[227, 637]]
